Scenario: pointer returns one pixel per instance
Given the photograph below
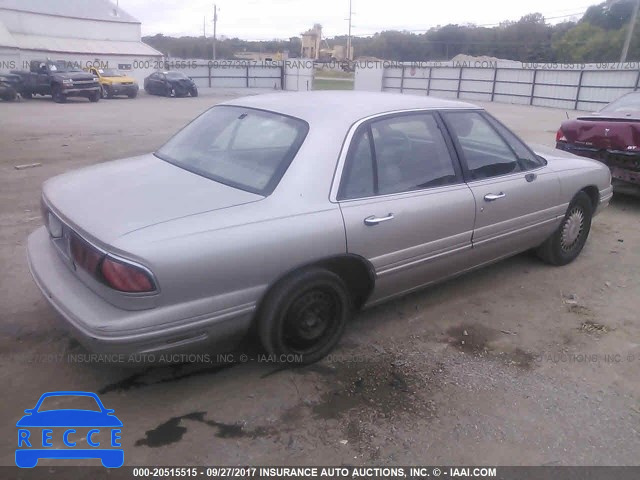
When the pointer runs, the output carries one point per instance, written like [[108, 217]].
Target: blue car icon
[[36, 432]]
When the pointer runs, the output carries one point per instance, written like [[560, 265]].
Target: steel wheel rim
[[311, 320], [572, 229]]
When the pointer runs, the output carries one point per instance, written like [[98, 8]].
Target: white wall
[[586, 87]]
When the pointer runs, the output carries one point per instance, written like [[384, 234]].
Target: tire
[[194, 92], [303, 317], [171, 92], [566, 243], [105, 92], [94, 97], [57, 95], [27, 95], [133, 94]]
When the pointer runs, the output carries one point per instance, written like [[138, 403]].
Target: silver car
[[285, 213]]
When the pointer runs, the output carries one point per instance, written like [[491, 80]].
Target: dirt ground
[[517, 364]]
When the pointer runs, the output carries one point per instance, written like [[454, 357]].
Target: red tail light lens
[[560, 136], [125, 277], [84, 255]]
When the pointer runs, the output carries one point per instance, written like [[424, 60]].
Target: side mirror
[[109, 411], [29, 410]]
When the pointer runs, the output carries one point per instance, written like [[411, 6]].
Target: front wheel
[[194, 92], [566, 243], [57, 94], [94, 97], [304, 316]]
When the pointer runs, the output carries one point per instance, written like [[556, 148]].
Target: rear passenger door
[[405, 206], [516, 194]]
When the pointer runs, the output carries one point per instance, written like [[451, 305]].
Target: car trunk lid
[[612, 132], [112, 199]]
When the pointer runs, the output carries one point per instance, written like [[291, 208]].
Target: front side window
[[241, 147], [397, 154], [485, 152], [528, 160]]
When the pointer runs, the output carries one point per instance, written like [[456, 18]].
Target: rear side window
[[485, 152], [397, 154]]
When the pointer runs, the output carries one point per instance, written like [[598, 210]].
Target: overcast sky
[[268, 19]]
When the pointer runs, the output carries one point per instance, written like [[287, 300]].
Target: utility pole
[[632, 24], [349, 37], [204, 27], [215, 26]]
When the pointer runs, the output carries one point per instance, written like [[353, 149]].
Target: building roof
[[82, 46], [86, 9], [342, 107]]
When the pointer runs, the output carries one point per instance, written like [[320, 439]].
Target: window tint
[[358, 179], [528, 160], [486, 154], [241, 147]]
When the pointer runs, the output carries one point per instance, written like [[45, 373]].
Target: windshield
[[63, 68], [110, 72], [241, 147], [176, 75], [626, 103], [65, 402]]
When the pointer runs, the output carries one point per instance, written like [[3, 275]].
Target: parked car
[[58, 79], [114, 83], [170, 84], [10, 86], [290, 211], [611, 136]]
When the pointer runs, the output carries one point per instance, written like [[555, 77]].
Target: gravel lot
[[516, 364]]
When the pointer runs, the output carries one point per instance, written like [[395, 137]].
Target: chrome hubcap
[[572, 229]]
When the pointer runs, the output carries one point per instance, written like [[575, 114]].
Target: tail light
[[84, 255], [125, 277], [116, 274], [560, 136]]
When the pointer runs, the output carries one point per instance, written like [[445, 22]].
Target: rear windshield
[[241, 147], [626, 103]]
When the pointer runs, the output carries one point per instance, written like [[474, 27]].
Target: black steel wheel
[[303, 317]]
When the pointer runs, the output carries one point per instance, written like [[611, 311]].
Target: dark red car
[[611, 135]]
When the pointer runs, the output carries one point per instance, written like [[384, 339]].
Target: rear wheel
[[304, 316], [566, 243]]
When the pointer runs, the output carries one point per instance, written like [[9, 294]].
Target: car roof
[[348, 106]]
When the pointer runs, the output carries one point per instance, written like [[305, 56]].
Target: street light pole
[[349, 37], [630, 28], [215, 25]]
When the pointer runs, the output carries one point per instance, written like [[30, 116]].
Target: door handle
[[373, 220], [490, 197]]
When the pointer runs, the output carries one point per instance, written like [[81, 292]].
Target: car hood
[[69, 418], [76, 76], [109, 200]]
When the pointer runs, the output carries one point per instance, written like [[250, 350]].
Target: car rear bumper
[[91, 319], [624, 166]]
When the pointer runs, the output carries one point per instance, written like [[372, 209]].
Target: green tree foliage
[[597, 37]]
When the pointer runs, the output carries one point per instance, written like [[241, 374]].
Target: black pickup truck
[[58, 79]]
